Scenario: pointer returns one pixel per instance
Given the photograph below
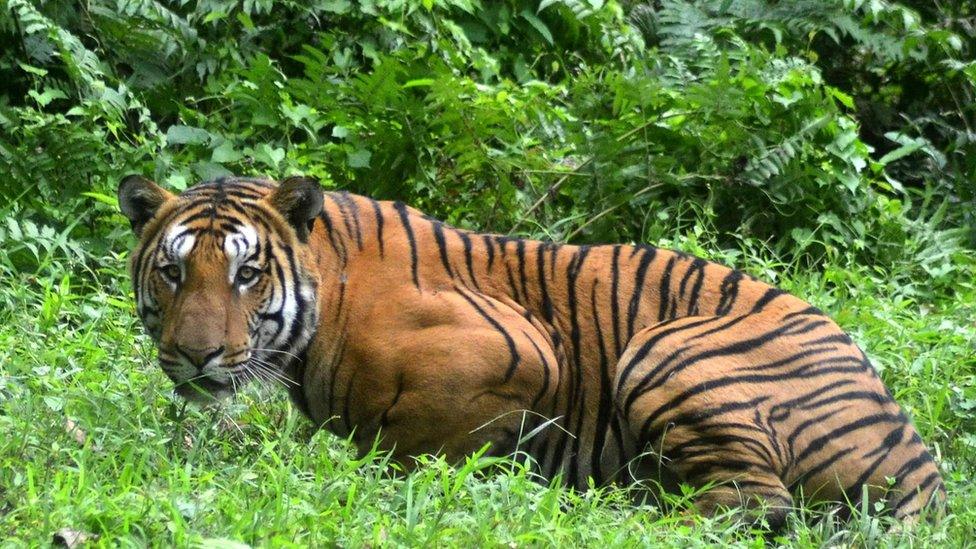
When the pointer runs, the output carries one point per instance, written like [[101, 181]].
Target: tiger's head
[[222, 279]]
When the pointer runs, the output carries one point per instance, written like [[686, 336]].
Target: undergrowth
[[96, 441]]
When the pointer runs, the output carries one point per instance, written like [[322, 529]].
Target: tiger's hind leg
[[669, 391]]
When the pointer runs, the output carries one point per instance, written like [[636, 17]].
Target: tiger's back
[[590, 359]]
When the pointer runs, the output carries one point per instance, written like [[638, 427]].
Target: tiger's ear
[[140, 199], [299, 199]]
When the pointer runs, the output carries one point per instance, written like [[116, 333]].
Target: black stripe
[[648, 345], [615, 300], [782, 410], [513, 351], [545, 370], [676, 401], [714, 444], [349, 209], [511, 282], [848, 396], [520, 256], [334, 239], [722, 327], [401, 209], [917, 491], [808, 311], [490, 248], [605, 392], [889, 442], [766, 299], [346, 400], [664, 293], [553, 256], [468, 257], [647, 383], [647, 255], [442, 247], [723, 463], [843, 339], [854, 491], [836, 434], [729, 292], [913, 465], [696, 267], [809, 327], [822, 466], [296, 372], [300, 304], [576, 402], [547, 311], [696, 288], [379, 225], [696, 418]]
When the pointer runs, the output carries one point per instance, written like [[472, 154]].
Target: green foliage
[[475, 110], [824, 145]]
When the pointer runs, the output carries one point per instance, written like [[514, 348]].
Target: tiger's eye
[[246, 274], [171, 272]]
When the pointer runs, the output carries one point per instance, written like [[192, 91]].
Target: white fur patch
[[178, 243], [238, 247]]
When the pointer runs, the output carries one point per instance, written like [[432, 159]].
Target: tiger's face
[[220, 278]]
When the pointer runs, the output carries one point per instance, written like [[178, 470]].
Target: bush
[[577, 119]]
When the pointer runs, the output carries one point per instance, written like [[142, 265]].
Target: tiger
[[604, 364]]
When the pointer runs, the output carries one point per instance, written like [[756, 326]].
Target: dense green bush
[[817, 126]]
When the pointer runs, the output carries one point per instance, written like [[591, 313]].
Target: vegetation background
[[827, 146]]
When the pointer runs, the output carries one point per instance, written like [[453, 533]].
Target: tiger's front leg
[[445, 373]]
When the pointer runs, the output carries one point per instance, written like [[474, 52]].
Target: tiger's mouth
[[204, 389]]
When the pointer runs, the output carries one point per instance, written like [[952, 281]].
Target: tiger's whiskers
[[293, 355]]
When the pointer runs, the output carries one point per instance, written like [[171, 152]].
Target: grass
[[136, 466]]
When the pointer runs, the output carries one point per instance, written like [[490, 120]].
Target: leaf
[[340, 132], [32, 70], [335, 6], [48, 95], [268, 155], [225, 152], [419, 82], [246, 21], [186, 135], [14, 228], [545, 4], [538, 25], [844, 99], [207, 171], [908, 146], [103, 198], [359, 159]]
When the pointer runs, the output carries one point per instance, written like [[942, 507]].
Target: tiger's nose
[[199, 357]]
